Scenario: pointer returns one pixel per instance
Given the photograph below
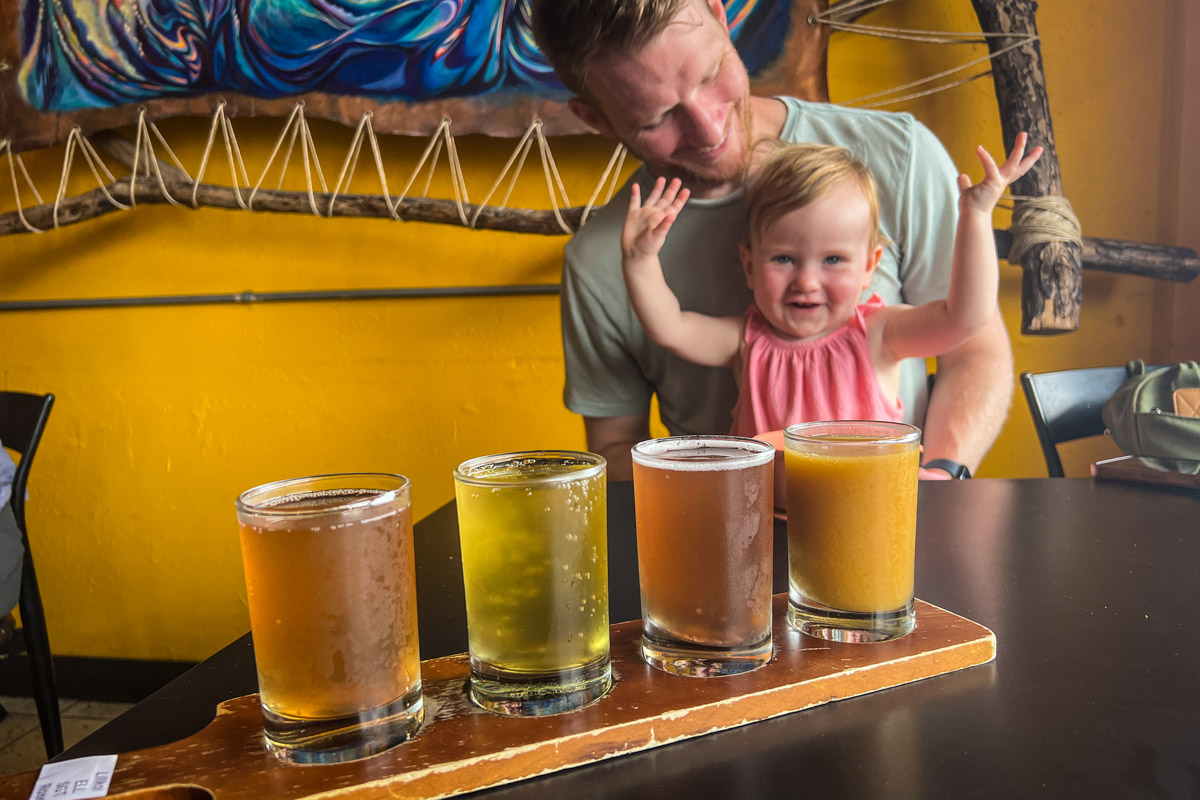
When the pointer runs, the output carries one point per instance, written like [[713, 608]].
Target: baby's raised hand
[[984, 195], [646, 225]]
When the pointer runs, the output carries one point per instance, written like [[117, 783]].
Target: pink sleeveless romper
[[785, 382]]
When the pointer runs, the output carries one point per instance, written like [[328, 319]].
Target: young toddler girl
[[807, 349]]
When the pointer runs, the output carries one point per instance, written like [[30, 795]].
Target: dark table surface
[[1091, 588]]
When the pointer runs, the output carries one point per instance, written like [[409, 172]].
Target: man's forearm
[[613, 437], [620, 460], [971, 397]]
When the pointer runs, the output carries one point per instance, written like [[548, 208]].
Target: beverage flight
[[330, 575]]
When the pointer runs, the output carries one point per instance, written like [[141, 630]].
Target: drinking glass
[[333, 611], [852, 523], [534, 533], [704, 535]]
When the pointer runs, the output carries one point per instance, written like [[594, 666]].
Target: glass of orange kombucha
[[852, 525], [333, 611], [704, 536]]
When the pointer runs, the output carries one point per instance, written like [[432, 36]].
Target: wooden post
[[1052, 289]]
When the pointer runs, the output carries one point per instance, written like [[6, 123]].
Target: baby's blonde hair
[[793, 175]]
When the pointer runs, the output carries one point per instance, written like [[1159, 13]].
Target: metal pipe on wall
[[305, 296]]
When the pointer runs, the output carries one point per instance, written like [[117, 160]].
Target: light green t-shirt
[[613, 369]]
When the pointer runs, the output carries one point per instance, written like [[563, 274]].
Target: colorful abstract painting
[[82, 54], [96, 64]]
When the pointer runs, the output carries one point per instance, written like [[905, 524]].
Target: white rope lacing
[[364, 125], [554, 184], [436, 140], [518, 154], [297, 126], [848, 8], [615, 162], [144, 145], [76, 139], [14, 161], [861, 101], [831, 18], [220, 121], [551, 170]]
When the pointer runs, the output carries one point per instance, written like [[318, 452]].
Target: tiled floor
[[21, 745]]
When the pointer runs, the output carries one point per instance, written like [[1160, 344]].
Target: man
[[662, 77]]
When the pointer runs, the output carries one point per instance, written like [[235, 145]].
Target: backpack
[[1156, 413]]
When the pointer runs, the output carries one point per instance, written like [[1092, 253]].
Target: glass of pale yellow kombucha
[[704, 507], [533, 527], [333, 612], [852, 524]]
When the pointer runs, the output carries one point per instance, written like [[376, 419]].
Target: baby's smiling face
[[808, 268]]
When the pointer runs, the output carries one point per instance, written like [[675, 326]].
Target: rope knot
[[1038, 220]]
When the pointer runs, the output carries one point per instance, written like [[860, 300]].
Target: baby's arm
[[940, 326], [711, 341]]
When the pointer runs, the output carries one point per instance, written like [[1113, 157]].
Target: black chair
[[22, 420], [1066, 406]]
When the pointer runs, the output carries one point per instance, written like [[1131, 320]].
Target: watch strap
[[956, 470]]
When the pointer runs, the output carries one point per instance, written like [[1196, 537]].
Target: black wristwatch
[[957, 471]]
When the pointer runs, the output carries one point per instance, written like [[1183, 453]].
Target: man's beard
[[698, 179]]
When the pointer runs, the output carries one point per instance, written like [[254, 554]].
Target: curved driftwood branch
[[414, 209]]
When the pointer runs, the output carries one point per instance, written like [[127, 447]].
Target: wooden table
[[1091, 589]]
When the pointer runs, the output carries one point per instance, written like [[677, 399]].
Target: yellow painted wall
[[165, 414]]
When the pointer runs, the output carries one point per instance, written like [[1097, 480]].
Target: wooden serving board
[[461, 748]]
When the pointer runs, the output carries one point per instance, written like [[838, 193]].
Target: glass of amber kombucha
[[533, 527], [704, 507], [333, 611], [852, 528]]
